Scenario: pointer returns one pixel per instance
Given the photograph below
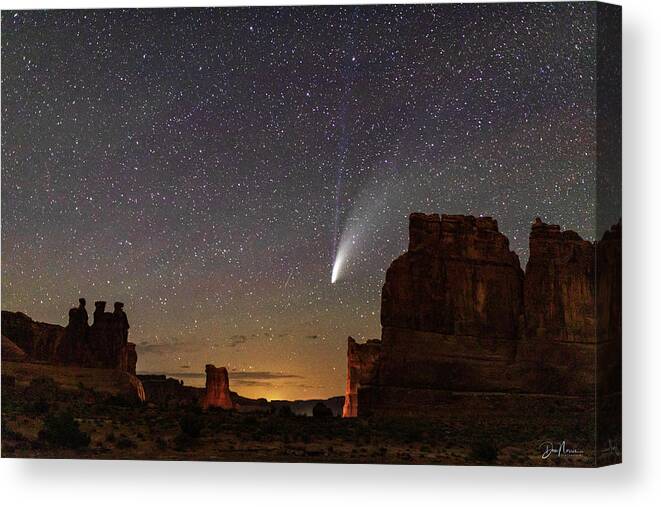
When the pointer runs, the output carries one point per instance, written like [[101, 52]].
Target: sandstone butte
[[217, 392], [459, 315]]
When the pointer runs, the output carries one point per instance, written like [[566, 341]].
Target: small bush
[[125, 443], [191, 425], [39, 407], [183, 442], [161, 443], [62, 430], [484, 452], [40, 392], [321, 410], [285, 411]]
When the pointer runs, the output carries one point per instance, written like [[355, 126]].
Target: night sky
[[204, 165]]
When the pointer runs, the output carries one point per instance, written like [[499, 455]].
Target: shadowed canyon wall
[[459, 315]]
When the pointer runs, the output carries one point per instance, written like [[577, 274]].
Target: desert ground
[[52, 412]]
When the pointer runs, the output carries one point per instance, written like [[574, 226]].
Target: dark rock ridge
[[169, 392], [459, 315], [104, 344]]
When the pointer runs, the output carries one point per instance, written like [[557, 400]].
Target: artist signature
[[611, 448], [561, 449]]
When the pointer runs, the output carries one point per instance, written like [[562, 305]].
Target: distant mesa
[[459, 315]]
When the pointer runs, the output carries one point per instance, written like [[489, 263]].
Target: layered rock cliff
[[559, 285], [458, 315], [458, 277]]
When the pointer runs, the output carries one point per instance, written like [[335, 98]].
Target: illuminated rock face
[[362, 365], [217, 388], [458, 315]]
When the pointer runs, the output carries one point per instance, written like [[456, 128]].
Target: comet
[[363, 221], [374, 214], [337, 266]]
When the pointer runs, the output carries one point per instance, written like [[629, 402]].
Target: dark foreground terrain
[[44, 418]]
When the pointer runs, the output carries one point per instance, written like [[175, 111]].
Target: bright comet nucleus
[[337, 265]]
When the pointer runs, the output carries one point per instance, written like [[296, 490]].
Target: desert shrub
[[183, 442], [191, 425], [125, 443], [285, 411], [116, 400], [41, 389], [62, 430], [484, 451], [250, 421], [321, 410], [9, 434], [38, 407]]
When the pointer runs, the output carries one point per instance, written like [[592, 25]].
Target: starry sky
[[202, 165]]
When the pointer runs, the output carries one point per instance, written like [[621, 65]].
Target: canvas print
[[381, 234]]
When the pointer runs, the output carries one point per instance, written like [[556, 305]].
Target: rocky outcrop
[[609, 309], [11, 351], [40, 341], [451, 308], [362, 367], [104, 344], [116, 383], [458, 315], [217, 392], [458, 277], [559, 285], [170, 392], [131, 358]]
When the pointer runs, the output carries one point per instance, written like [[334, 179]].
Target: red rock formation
[[217, 388], [102, 345], [457, 278], [559, 285], [451, 307], [458, 315], [40, 341], [362, 365], [609, 309]]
